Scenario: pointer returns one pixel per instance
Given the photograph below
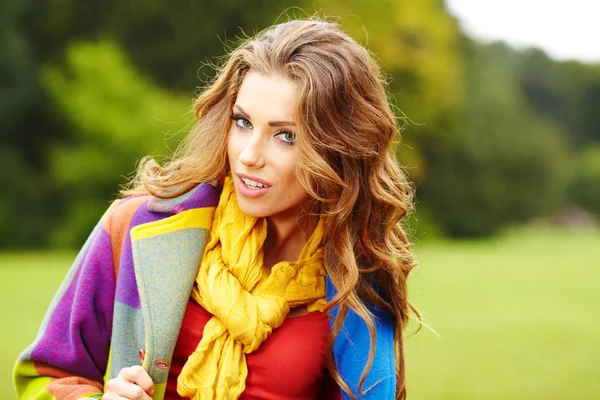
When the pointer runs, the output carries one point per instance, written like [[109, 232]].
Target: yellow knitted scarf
[[246, 301]]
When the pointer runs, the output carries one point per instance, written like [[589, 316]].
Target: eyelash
[[239, 118]]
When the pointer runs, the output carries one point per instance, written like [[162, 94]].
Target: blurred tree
[[180, 36], [116, 115], [590, 107], [584, 189], [25, 214], [83, 84], [567, 93], [507, 165], [18, 87], [41, 136], [418, 46], [169, 40]]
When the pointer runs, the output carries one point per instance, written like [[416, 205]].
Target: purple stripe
[[127, 291], [204, 195], [77, 335]]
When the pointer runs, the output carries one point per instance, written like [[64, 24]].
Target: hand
[[132, 383]]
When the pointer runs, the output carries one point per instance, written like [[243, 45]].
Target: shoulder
[[352, 347], [120, 213], [139, 209]]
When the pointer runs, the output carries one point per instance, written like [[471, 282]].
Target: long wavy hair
[[345, 148]]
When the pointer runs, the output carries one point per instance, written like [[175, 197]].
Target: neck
[[286, 238]]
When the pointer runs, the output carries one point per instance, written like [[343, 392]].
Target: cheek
[[285, 165], [231, 151], [294, 191]]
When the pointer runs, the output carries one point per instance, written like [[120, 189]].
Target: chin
[[252, 210]]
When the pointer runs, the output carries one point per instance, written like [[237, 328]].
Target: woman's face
[[261, 147]]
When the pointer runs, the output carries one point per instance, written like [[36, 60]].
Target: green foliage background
[[493, 136]]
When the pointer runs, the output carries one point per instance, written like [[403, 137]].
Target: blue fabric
[[351, 352]]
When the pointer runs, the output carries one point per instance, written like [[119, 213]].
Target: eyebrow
[[271, 123]]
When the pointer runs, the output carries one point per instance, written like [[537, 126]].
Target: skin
[[132, 383], [260, 144]]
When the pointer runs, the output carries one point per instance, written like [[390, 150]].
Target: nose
[[252, 152]]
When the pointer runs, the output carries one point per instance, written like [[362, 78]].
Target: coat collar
[[203, 195], [166, 253]]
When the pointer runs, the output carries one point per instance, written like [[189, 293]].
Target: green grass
[[27, 284], [518, 316]]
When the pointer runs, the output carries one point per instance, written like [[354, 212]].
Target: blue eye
[[287, 137], [241, 122]]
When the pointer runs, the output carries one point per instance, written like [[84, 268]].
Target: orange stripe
[[117, 224]]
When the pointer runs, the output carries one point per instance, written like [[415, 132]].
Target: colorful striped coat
[[126, 293]]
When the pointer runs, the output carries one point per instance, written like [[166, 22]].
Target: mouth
[[253, 181], [251, 187], [253, 184]]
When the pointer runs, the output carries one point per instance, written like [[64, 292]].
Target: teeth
[[253, 184]]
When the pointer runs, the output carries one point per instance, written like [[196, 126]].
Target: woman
[[266, 260]]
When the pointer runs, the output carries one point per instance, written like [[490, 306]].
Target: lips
[[253, 184], [254, 178], [251, 187]]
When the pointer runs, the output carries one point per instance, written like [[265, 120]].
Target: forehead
[[268, 97]]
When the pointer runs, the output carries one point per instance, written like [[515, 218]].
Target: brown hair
[[345, 145]]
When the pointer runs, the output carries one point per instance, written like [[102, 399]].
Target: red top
[[290, 364]]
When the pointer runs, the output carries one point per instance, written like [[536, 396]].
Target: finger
[[139, 376], [112, 396], [118, 389]]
